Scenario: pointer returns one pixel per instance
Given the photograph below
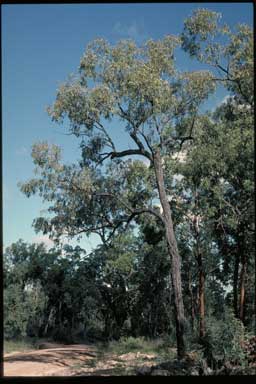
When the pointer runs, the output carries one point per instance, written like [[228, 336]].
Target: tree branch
[[133, 133], [134, 212], [129, 152], [147, 142], [109, 140]]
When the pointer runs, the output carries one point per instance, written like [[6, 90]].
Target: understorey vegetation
[[173, 205]]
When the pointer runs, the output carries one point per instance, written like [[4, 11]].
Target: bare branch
[[150, 211], [147, 142], [217, 65], [129, 152], [109, 140], [134, 212], [228, 78], [133, 134]]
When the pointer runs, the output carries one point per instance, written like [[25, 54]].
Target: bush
[[128, 344], [159, 346], [23, 310], [15, 312], [223, 341]]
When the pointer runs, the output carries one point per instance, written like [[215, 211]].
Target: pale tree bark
[[174, 255], [201, 296], [191, 300], [242, 286], [243, 272], [201, 279], [242, 289], [235, 284]]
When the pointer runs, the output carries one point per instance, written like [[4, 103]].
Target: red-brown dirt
[[61, 361]]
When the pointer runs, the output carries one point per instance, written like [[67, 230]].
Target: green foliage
[[128, 344], [156, 105], [15, 315], [223, 340], [24, 299], [140, 344], [24, 310], [229, 53]]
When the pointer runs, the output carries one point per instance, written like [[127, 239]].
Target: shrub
[[160, 346], [128, 344], [223, 340], [15, 313]]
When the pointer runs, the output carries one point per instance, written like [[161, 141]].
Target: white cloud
[[225, 99], [43, 239], [134, 31], [240, 106], [146, 162], [217, 102]]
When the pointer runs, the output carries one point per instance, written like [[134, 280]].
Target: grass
[[140, 347], [22, 345], [159, 347]]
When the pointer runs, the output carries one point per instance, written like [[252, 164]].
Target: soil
[[73, 360], [59, 361]]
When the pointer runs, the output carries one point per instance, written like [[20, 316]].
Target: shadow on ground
[[61, 357]]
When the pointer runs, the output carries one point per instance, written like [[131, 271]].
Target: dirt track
[[73, 360], [62, 361]]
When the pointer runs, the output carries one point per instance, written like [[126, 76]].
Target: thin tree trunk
[[242, 253], [242, 288], [48, 322], [192, 308], [174, 256], [235, 284], [201, 296], [60, 316], [201, 279]]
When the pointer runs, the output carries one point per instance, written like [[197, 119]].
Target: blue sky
[[41, 45]]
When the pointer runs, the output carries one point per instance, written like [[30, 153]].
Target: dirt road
[[61, 361], [73, 360]]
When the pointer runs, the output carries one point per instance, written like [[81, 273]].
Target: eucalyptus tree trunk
[[242, 290], [243, 258], [201, 279], [235, 284], [191, 300], [242, 287], [201, 295], [174, 256]]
